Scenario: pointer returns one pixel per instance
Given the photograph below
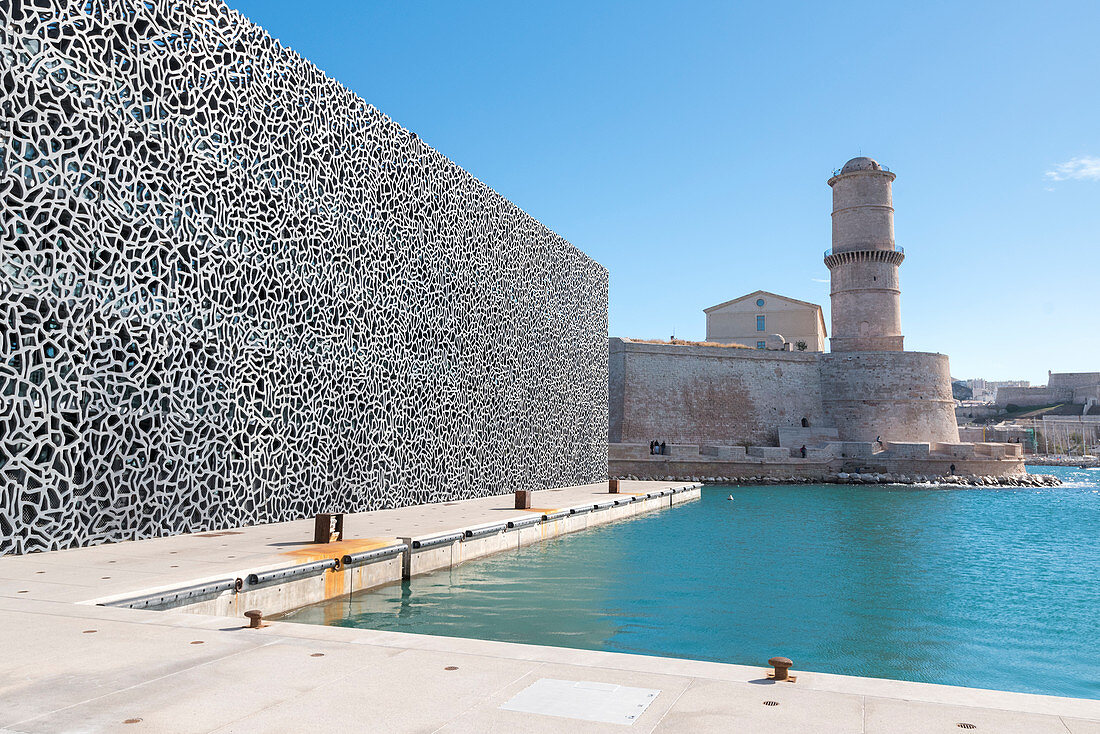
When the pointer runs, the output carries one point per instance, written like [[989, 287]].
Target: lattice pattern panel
[[231, 292]]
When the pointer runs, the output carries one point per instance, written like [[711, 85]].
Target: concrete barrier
[[769, 452]]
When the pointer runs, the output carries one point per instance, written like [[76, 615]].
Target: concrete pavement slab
[[490, 716], [214, 693], [415, 691], [892, 716], [719, 706]]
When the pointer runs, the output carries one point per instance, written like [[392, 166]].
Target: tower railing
[[838, 171], [897, 248]]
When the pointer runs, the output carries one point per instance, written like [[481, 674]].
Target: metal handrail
[[838, 171], [897, 248]]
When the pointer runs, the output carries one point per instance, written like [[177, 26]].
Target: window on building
[[759, 345], [760, 302], [760, 323]]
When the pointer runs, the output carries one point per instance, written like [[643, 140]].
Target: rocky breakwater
[[1061, 460], [1021, 480]]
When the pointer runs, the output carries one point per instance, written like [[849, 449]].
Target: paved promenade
[[108, 570], [72, 667]]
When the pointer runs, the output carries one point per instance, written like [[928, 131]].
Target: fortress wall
[[709, 395], [898, 396], [706, 467], [1033, 396], [616, 386], [1074, 379], [1085, 395]]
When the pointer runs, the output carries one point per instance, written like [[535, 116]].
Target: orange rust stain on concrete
[[337, 583], [544, 510], [321, 551]]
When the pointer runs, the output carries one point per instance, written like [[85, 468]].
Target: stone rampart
[[719, 396], [1073, 380], [1033, 396], [709, 395], [813, 468], [893, 396]]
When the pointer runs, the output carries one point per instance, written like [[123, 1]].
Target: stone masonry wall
[[1074, 379], [709, 395], [1033, 396], [898, 396], [716, 396]]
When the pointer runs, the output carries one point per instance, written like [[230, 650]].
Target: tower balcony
[[894, 256]]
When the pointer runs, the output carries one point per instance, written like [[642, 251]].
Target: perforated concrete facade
[[232, 292]]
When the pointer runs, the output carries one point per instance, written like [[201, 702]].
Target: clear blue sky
[[686, 146]]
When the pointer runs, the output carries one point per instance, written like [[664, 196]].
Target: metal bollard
[[523, 499], [781, 665], [255, 617], [328, 527], [612, 486]]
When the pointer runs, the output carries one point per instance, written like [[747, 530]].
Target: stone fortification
[[1073, 380], [1033, 396], [866, 403], [702, 395], [712, 395], [904, 462], [895, 396], [1082, 388]]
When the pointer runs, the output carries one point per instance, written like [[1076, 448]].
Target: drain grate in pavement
[[584, 700]]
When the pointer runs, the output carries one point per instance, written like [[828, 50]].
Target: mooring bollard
[[612, 486], [781, 665], [328, 527], [523, 499], [255, 617]]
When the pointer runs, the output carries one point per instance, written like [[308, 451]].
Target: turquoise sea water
[[922, 584]]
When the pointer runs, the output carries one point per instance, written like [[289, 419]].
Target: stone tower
[[863, 263]]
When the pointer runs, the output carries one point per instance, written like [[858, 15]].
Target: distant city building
[[986, 390], [752, 318]]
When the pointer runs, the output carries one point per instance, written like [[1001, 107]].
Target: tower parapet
[[863, 262]]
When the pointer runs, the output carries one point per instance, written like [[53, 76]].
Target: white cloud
[[820, 280], [1082, 168]]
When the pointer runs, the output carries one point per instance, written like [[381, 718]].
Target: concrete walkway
[[71, 667], [81, 574]]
